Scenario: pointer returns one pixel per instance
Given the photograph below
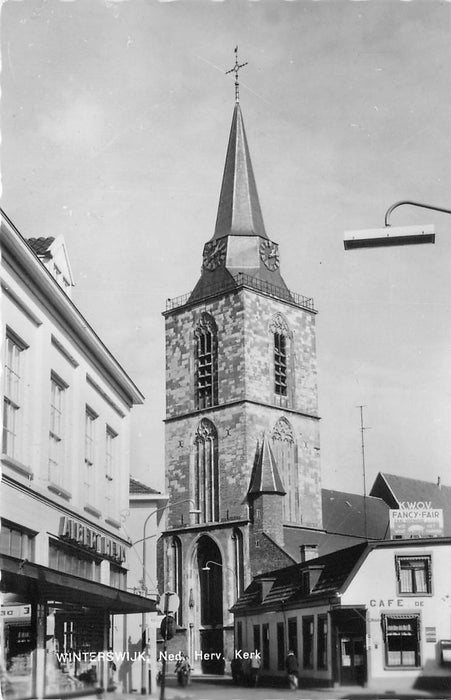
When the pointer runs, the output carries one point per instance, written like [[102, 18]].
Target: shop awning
[[47, 584]]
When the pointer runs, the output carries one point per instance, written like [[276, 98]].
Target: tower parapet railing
[[243, 280]]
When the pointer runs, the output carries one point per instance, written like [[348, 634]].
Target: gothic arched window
[[176, 574], [206, 473], [286, 455], [281, 337], [206, 362]]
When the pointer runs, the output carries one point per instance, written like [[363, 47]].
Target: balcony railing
[[243, 280]]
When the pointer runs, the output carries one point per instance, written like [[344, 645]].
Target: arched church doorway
[[210, 569]]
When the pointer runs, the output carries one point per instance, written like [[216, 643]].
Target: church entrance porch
[[210, 571]]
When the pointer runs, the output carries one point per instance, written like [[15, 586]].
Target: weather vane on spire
[[235, 70]]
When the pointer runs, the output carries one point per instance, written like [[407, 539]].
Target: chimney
[[308, 551]]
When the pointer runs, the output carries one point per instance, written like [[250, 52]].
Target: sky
[[115, 122]]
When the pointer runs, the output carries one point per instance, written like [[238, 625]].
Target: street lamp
[[223, 566], [393, 235], [144, 578]]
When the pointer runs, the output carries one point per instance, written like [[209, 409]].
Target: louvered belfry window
[[280, 364], [206, 363]]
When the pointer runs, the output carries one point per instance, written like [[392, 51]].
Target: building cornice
[[237, 402], [53, 296]]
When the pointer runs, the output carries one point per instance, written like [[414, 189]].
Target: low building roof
[[287, 587], [137, 487], [347, 519]]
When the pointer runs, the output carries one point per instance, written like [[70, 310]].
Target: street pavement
[[222, 688]]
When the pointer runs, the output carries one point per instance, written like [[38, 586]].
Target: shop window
[[118, 577], [72, 560], [401, 638], [281, 646], [265, 646], [18, 648], [307, 642], [206, 472], [12, 394], [16, 542], [74, 637], [110, 472], [58, 390], [293, 635], [322, 637], [414, 575], [206, 381]]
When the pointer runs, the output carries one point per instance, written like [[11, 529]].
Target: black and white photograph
[[225, 349]]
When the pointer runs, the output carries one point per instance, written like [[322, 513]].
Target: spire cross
[[235, 70]]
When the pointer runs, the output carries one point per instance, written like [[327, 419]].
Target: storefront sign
[[431, 634], [416, 519], [88, 538], [16, 611]]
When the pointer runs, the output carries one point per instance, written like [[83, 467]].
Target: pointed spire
[[265, 477], [239, 211]]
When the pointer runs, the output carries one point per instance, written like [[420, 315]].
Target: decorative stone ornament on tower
[[242, 426]]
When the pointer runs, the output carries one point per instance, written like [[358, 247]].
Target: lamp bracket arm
[[413, 204]]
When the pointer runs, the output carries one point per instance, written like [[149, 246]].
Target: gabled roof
[[239, 211], [397, 490], [265, 477], [343, 523], [137, 487], [287, 587]]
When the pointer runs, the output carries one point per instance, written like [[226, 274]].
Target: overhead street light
[[393, 235], [143, 539], [207, 567]]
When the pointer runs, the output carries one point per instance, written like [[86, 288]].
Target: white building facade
[[376, 615], [65, 482]]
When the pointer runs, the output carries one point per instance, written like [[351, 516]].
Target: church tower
[[242, 426]]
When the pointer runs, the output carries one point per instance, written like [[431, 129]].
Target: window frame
[[322, 641], [281, 650], [280, 364], [13, 368], [57, 432], [206, 495], [110, 496], [292, 635], [27, 540], [405, 558], [206, 363], [308, 641], [416, 617], [89, 483]]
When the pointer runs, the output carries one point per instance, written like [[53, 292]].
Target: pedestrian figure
[[292, 667], [255, 668], [236, 668]]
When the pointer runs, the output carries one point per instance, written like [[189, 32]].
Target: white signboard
[[169, 603], [418, 520]]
